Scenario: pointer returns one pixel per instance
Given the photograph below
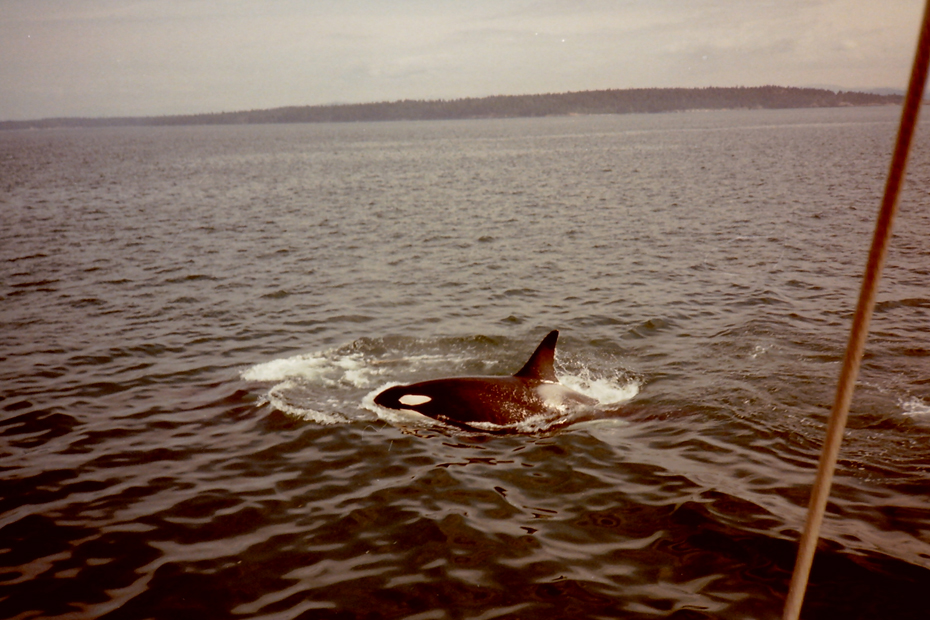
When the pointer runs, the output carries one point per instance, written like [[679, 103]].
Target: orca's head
[[403, 397]]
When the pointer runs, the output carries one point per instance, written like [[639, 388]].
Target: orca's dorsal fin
[[541, 365]]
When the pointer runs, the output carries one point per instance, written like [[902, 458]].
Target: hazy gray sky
[[152, 57]]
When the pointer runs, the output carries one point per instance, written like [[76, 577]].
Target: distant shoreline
[[625, 101]]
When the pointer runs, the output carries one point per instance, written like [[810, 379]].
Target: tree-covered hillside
[[641, 100]]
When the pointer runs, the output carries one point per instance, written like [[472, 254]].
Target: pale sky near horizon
[[154, 57]]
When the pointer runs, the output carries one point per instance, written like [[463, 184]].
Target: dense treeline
[[641, 100]]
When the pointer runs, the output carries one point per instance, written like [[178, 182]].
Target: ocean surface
[[194, 322]]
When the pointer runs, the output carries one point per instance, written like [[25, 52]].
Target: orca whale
[[500, 400]]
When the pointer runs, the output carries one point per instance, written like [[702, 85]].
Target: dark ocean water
[[194, 322]]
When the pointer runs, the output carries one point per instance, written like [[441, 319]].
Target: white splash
[[916, 408], [322, 367], [606, 390]]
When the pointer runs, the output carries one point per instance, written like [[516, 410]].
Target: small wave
[[916, 408], [322, 387], [913, 302], [281, 294], [529, 426], [286, 398]]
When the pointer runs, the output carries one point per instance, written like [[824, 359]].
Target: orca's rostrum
[[500, 400]]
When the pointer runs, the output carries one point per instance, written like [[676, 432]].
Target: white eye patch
[[412, 400]]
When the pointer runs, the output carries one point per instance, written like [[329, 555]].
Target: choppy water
[[194, 321]]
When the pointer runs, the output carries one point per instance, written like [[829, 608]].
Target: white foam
[[327, 368], [916, 408], [307, 366], [605, 390], [540, 423]]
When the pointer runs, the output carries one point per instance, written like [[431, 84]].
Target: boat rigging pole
[[860, 327]]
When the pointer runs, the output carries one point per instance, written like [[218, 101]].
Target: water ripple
[[195, 317]]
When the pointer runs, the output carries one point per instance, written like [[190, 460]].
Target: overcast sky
[[153, 57]]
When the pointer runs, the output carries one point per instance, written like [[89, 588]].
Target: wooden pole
[[860, 326]]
